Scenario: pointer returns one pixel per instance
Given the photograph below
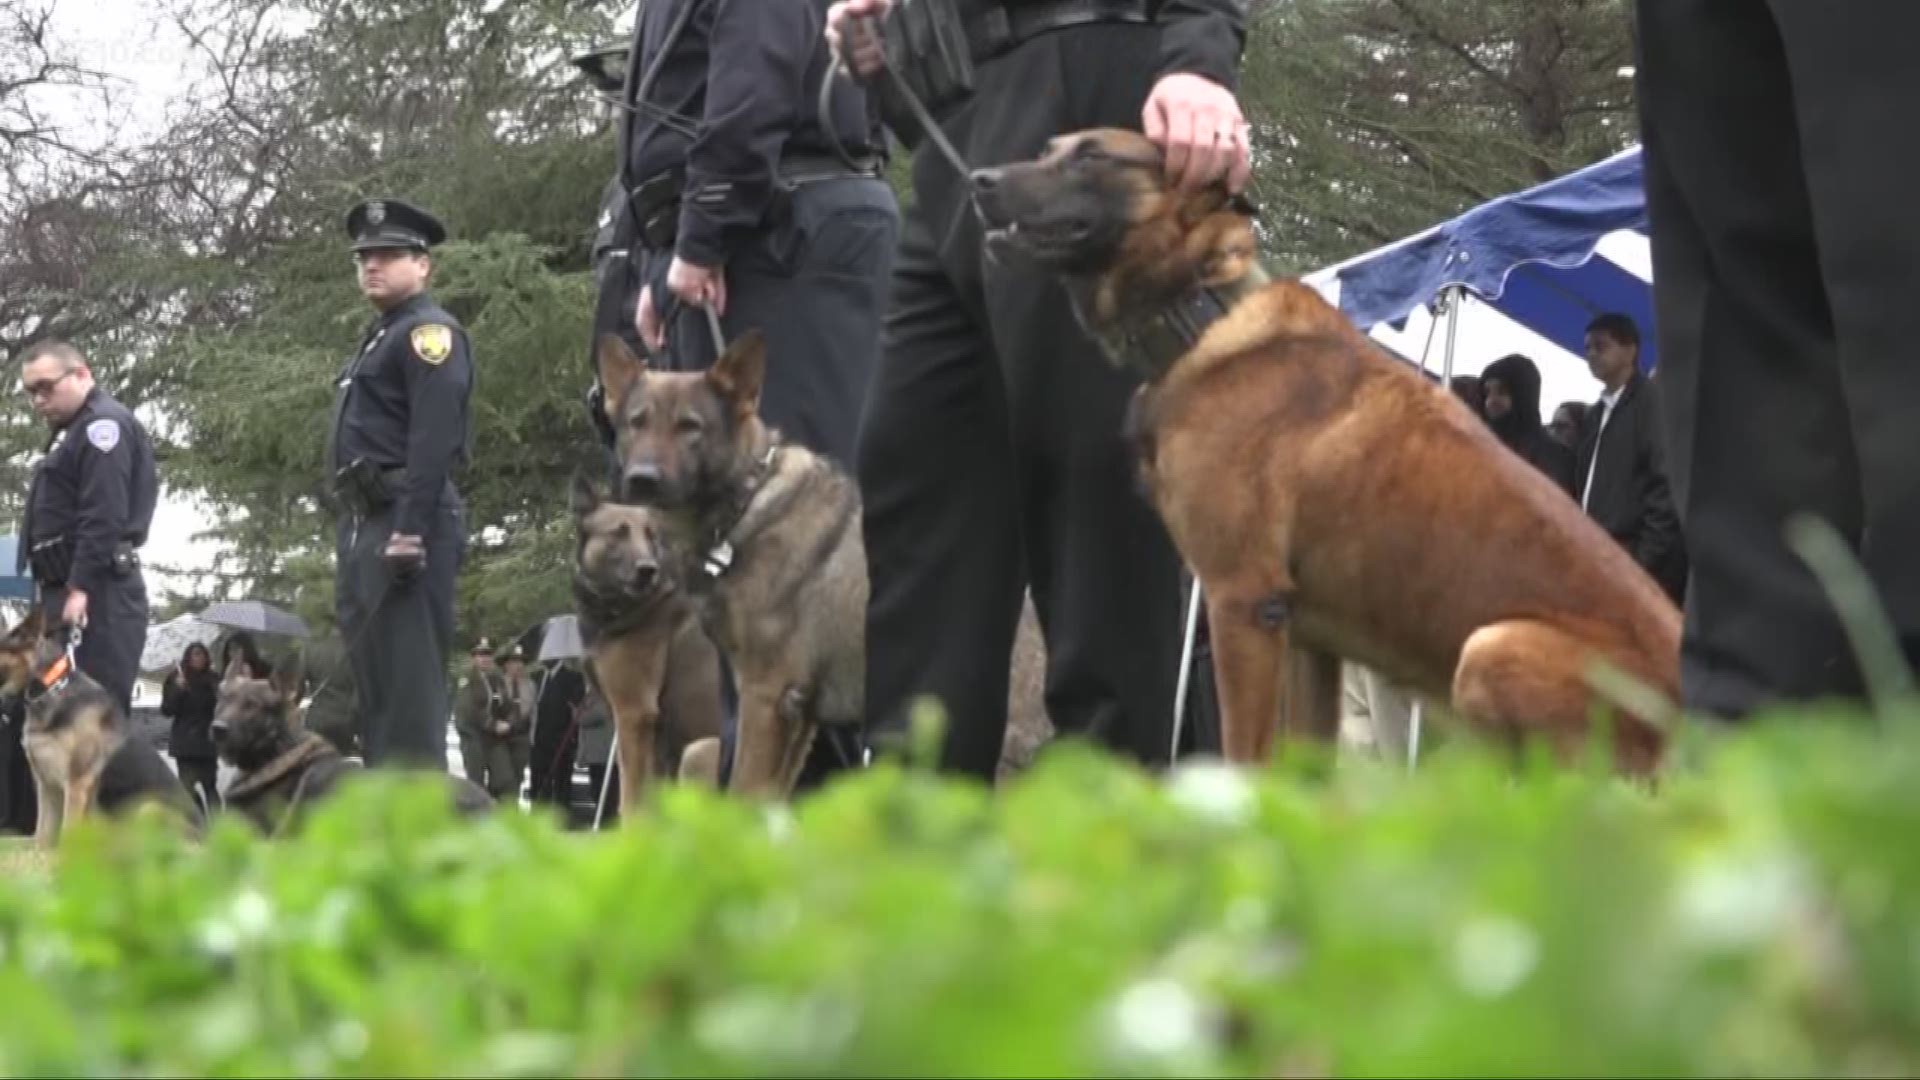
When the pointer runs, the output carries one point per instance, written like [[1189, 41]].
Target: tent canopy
[[1540, 262]]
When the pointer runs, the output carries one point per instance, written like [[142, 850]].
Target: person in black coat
[[241, 646], [188, 698], [1510, 401], [1622, 459]]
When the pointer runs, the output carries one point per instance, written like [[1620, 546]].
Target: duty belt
[[993, 29], [655, 201]]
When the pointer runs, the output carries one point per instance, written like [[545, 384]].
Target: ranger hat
[[391, 223], [483, 646]]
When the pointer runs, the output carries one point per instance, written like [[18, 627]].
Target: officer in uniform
[[738, 192], [1786, 255], [992, 453], [88, 512], [400, 431]]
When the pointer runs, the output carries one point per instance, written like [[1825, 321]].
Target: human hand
[[1197, 123]]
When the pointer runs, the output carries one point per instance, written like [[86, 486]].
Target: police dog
[[283, 768], [767, 533], [78, 742], [647, 653], [1330, 501]]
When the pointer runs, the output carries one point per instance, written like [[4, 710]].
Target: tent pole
[[1450, 299], [606, 778], [1186, 668]]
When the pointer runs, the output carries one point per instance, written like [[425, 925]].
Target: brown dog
[[646, 650], [1330, 501]]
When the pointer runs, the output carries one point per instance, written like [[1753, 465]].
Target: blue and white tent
[[1531, 270]]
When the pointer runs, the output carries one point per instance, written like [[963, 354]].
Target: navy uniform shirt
[[95, 488], [401, 403], [1202, 37], [732, 123]]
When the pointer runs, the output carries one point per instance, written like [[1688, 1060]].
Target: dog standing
[[1331, 503], [78, 743], [648, 654], [283, 768]]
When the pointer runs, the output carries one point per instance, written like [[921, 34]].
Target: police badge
[[432, 342], [376, 212]]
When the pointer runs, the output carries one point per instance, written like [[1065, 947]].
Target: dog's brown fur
[[646, 650], [1331, 502], [79, 746]]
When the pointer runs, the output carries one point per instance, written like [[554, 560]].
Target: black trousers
[[992, 453], [115, 633], [202, 773], [399, 635], [1786, 253]]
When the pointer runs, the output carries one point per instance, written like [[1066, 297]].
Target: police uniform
[[88, 512], [400, 432], [1786, 255], [726, 162], [992, 454]]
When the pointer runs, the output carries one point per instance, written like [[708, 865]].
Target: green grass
[[1757, 915]]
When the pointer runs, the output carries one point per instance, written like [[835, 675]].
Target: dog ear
[[585, 496], [28, 632], [741, 370], [619, 369], [286, 681]]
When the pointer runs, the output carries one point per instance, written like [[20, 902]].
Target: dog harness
[[1152, 344]]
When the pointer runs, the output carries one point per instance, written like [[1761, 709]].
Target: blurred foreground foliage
[[1758, 913]]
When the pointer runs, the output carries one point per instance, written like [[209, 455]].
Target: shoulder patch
[[104, 435], [433, 342]]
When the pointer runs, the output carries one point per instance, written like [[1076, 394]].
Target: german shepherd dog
[[647, 652], [78, 742], [768, 535], [283, 768], [1331, 502]]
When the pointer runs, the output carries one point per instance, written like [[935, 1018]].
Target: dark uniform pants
[[115, 633], [399, 635], [992, 452], [1786, 253]]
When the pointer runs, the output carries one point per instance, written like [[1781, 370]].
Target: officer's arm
[[755, 87], [1203, 37], [437, 385], [106, 472]]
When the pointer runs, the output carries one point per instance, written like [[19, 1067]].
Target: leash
[[921, 114]]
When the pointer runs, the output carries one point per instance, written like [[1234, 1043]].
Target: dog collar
[[1153, 344], [54, 679], [718, 558]]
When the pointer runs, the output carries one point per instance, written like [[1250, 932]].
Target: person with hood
[[1510, 401], [188, 698]]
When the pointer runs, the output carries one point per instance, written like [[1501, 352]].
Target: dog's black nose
[[642, 482], [985, 179], [644, 575], [219, 729]]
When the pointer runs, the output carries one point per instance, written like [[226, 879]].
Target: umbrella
[[561, 641], [255, 616], [168, 640]]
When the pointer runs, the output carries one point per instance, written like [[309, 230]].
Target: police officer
[[400, 431], [734, 195], [88, 512], [992, 452]]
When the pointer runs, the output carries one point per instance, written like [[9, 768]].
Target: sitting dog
[[1330, 501], [647, 652], [283, 768], [78, 743], [770, 535]]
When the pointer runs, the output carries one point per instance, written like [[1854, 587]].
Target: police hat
[[515, 653], [390, 223], [482, 647]]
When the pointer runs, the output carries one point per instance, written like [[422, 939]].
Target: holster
[[126, 559], [364, 488], [926, 44]]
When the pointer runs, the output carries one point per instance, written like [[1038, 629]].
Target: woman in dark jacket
[[241, 646], [189, 697], [1510, 400]]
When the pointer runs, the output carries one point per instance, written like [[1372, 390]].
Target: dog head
[[255, 720], [1098, 204], [28, 652], [620, 554], [680, 437]]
